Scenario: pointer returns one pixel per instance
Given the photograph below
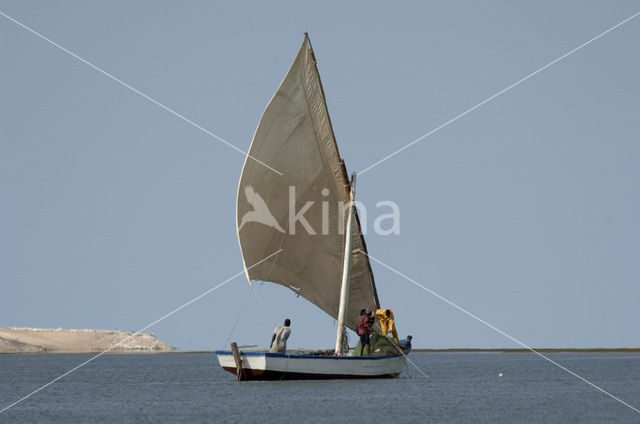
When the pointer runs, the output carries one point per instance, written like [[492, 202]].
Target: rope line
[[399, 349], [253, 289], [244, 305], [546, 358], [136, 333], [151, 99]]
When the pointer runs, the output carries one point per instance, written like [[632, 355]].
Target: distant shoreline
[[449, 350], [26, 340], [542, 350], [496, 350]]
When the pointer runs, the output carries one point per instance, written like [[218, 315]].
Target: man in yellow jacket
[[385, 317]]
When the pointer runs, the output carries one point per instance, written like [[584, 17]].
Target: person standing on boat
[[364, 328], [405, 344], [385, 317], [279, 338]]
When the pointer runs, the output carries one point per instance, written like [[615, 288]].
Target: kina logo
[[260, 212]]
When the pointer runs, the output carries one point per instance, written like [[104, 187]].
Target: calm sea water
[[462, 387]]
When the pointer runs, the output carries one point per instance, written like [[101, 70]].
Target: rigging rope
[[406, 358], [253, 289], [244, 305]]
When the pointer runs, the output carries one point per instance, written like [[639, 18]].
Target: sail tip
[[307, 40]]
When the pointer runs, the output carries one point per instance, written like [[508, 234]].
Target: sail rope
[[406, 358], [404, 355], [266, 311], [244, 305]]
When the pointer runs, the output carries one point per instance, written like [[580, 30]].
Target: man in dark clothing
[[364, 327]]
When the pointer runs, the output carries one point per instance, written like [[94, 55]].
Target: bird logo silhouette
[[260, 212]]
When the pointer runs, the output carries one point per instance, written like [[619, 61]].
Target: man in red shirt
[[364, 327]]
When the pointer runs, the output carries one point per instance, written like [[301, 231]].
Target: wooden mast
[[346, 268]]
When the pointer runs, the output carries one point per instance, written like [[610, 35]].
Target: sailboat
[[294, 197]]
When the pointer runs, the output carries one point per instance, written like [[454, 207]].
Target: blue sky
[[113, 212]]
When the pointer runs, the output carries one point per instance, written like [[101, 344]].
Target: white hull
[[279, 366]]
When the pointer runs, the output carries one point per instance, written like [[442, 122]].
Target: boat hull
[[280, 366]]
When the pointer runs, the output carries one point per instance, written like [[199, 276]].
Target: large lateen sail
[[300, 211]]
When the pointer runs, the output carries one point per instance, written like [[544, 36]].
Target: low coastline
[[493, 350], [25, 340], [541, 350], [452, 350]]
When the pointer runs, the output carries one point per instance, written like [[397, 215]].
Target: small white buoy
[[500, 375]]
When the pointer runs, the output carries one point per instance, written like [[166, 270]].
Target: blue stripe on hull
[[306, 356]]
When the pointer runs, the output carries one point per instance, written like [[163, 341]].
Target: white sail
[[295, 137]]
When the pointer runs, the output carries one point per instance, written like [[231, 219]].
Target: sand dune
[[49, 340]]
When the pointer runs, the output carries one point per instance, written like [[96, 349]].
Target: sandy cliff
[[48, 340]]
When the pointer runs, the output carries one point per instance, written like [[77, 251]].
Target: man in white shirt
[[280, 336]]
